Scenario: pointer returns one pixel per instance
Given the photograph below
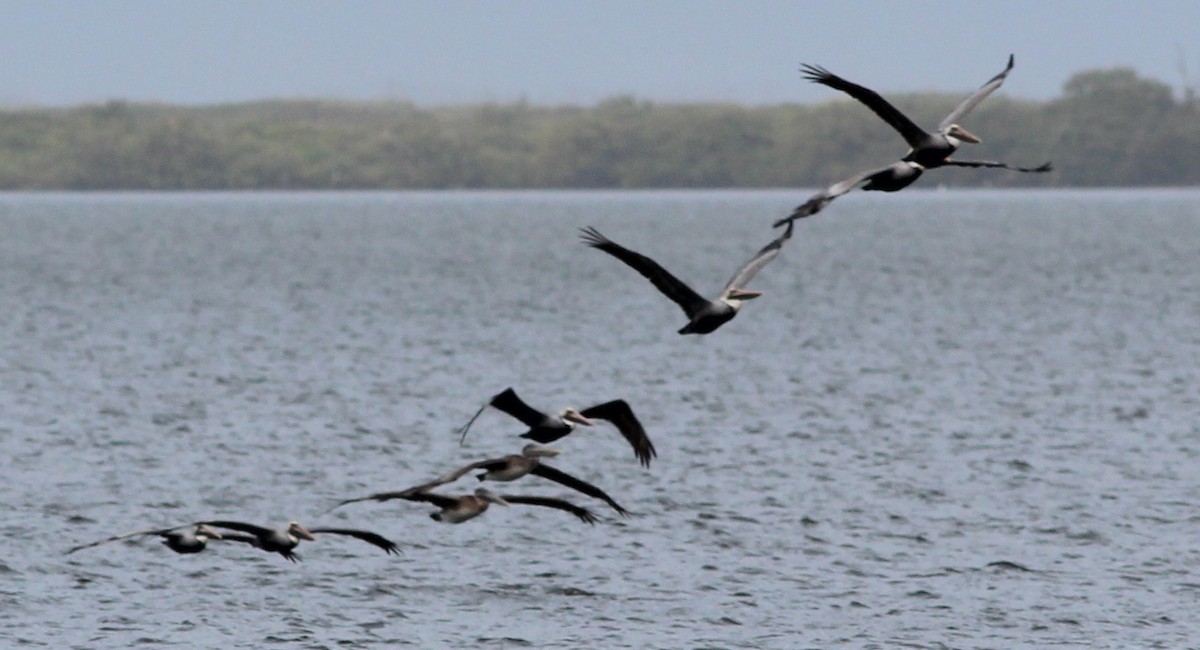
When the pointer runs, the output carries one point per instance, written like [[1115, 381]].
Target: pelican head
[[205, 533], [535, 450], [957, 135], [571, 415], [300, 532], [489, 496]]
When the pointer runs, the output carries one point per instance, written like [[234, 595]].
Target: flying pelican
[[191, 538], [511, 468], [926, 150], [457, 509], [546, 427], [283, 540], [704, 316]]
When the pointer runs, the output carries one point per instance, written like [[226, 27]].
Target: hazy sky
[[60, 52]]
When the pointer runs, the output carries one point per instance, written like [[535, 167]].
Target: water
[[957, 419]]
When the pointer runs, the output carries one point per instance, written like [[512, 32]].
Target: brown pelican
[[546, 427], [283, 540], [511, 468], [455, 510], [927, 150], [704, 316], [192, 538]]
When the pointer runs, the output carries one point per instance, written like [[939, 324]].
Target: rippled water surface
[[955, 420]]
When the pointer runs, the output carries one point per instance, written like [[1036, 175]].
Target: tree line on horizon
[[1107, 128]]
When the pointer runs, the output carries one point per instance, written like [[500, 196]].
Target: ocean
[[954, 419]]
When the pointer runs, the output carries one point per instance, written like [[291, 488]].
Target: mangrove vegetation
[[1107, 128]]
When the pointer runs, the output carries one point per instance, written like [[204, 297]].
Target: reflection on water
[[959, 419]]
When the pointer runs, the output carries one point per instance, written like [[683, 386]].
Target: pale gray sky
[[65, 52]]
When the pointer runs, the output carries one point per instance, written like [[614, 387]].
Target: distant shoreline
[[622, 143]]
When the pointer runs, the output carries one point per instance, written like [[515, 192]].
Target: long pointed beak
[[579, 419], [303, 533], [743, 294], [967, 136], [208, 532]]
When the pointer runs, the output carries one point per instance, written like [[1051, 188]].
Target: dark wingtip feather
[[593, 238], [815, 73]]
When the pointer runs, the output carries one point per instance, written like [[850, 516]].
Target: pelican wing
[[371, 538], [257, 531], [558, 504], [683, 295], [973, 100], [743, 275], [621, 415], [819, 200], [135, 533], [415, 493], [440, 500], [234, 537], [912, 133], [1044, 167], [578, 485], [490, 464], [508, 402]]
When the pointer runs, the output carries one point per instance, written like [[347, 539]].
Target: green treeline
[[1108, 128]]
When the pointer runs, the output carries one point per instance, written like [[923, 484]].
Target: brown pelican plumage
[[191, 538], [927, 150], [283, 540], [511, 468], [457, 509], [704, 315], [548, 427]]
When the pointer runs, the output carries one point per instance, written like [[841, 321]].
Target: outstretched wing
[[578, 485], [415, 493], [973, 100], [621, 415], [234, 537], [1044, 167], [818, 201], [257, 531], [911, 133], [371, 538], [558, 504], [671, 286], [508, 402], [743, 275], [148, 531]]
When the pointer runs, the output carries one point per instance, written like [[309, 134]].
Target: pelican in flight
[[927, 150], [283, 540], [547, 427], [192, 538], [704, 315], [511, 468], [457, 509]]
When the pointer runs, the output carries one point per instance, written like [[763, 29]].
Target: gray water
[[959, 419]]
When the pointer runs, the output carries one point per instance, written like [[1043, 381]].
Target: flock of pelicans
[[928, 150]]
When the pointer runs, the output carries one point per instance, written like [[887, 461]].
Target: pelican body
[[284, 540], [927, 149], [704, 316], [505, 468], [548, 427]]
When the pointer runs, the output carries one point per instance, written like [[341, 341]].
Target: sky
[[579, 52]]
